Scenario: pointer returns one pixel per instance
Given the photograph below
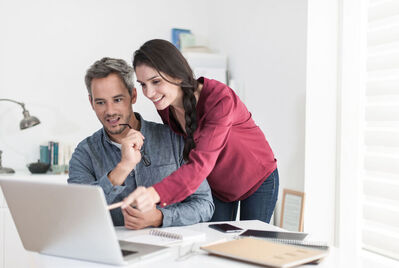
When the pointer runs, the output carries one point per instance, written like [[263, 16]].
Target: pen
[[146, 160], [115, 205]]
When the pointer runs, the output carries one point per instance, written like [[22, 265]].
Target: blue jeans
[[258, 206]]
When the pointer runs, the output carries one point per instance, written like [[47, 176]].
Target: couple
[[161, 172]]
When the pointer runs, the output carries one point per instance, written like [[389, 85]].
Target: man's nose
[[110, 108]]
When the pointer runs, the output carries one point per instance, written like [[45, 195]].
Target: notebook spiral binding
[[166, 234], [313, 244]]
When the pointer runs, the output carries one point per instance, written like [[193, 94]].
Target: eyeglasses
[[144, 157]]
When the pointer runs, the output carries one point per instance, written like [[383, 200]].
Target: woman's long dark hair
[[164, 57]]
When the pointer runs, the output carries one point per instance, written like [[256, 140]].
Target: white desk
[[13, 255], [171, 258]]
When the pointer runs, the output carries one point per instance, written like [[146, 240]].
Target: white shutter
[[380, 232]]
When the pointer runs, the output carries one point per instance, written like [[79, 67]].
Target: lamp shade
[[28, 121]]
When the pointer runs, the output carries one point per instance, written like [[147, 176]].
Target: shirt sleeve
[[196, 208], [81, 172], [210, 140]]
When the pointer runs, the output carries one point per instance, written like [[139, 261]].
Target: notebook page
[[166, 236], [151, 239]]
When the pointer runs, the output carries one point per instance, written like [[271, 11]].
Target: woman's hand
[[144, 199]]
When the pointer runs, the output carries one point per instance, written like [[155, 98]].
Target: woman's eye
[[154, 82]]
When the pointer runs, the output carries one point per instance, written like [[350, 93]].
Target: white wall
[[46, 46], [321, 118], [266, 45]]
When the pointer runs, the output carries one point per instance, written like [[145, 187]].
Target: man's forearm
[[118, 175], [187, 212], [196, 208]]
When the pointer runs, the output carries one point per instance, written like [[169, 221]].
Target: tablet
[[275, 234]]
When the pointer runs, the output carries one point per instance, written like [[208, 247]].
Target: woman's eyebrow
[[155, 76]]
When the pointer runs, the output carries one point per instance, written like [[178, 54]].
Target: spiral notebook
[[292, 238], [167, 236]]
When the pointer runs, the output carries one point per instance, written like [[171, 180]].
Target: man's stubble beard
[[122, 128]]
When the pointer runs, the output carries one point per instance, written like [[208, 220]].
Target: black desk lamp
[[27, 122]]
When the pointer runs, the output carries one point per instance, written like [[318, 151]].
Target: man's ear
[[134, 95], [91, 101]]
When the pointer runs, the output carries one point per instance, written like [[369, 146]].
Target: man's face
[[112, 103]]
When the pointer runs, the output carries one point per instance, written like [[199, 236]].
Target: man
[[129, 152]]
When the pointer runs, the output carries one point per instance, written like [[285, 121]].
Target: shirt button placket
[[134, 175]]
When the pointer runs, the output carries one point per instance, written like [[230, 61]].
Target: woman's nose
[[149, 92]]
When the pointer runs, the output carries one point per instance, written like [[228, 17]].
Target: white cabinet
[[2, 201], [2, 242], [2, 237], [210, 65], [12, 252]]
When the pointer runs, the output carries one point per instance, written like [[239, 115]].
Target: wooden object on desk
[[292, 210], [264, 252]]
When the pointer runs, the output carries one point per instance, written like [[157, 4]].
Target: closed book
[[50, 151], [265, 253], [44, 154], [55, 153], [176, 36], [293, 238]]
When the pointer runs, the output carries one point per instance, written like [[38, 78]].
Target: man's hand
[[130, 156], [143, 198], [136, 219], [131, 146]]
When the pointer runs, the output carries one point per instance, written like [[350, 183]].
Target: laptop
[[70, 221]]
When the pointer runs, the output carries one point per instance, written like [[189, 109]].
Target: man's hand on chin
[[136, 219]]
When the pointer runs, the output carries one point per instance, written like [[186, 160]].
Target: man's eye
[[118, 100], [99, 102]]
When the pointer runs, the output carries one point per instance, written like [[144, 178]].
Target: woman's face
[[158, 90]]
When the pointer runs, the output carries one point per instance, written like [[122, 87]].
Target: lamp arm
[[20, 103]]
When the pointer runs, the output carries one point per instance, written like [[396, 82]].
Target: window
[[380, 169]]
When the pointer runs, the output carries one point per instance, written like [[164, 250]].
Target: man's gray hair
[[102, 68]]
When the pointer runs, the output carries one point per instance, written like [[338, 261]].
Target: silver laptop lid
[[63, 220]]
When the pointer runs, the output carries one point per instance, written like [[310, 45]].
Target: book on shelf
[[176, 36], [50, 152], [44, 154], [55, 153]]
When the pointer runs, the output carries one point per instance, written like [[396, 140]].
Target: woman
[[222, 142]]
